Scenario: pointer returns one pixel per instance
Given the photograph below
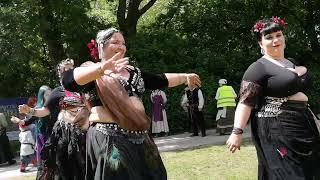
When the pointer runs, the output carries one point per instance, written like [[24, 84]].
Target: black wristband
[[237, 130]]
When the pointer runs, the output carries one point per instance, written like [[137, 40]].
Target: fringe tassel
[[114, 158]]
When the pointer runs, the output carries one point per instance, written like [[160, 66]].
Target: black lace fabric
[[249, 93]]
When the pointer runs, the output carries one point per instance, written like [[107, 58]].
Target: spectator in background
[[193, 100], [27, 119], [159, 115], [27, 152], [5, 149], [184, 105], [226, 104]]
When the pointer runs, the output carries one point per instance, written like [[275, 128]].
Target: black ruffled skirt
[[287, 144], [115, 153], [64, 155]]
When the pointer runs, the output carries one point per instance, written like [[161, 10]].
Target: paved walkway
[[183, 141], [12, 172], [177, 142]]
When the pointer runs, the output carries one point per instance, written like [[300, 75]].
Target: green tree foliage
[[209, 37], [213, 38], [36, 35]]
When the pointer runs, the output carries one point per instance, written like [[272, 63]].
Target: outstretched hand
[[193, 80], [24, 109], [115, 64]]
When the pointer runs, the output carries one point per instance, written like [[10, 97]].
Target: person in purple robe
[[159, 115]]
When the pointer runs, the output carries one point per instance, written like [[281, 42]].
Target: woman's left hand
[[15, 119], [193, 80], [234, 142]]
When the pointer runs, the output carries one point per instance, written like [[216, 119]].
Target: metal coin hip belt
[[271, 108], [111, 129]]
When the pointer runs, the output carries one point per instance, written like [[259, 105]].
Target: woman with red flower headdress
[[273, 96], [118, 145]]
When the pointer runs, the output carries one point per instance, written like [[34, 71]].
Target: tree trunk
[[128, 14]]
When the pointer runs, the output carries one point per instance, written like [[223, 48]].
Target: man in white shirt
[[193, 100]]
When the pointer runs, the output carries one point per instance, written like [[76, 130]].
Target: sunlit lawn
[[23, 178], [213, 163]]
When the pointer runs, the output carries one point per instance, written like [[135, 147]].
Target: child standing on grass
[[27, 152]]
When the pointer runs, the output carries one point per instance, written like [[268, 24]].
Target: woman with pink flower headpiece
[[273, 96]]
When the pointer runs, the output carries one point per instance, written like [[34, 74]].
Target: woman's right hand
[[24, 109], [116, 63], [234, 142], [193, 80]]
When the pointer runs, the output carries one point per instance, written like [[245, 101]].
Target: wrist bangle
[[100, 71], [237, 130], [32, 111]]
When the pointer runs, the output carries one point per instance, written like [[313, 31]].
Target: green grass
[[31, 177], [214, 163]]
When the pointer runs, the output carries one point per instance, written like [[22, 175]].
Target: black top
[[265, 78], [53, 102], [135, 85]]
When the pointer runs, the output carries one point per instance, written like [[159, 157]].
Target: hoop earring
[[262, 51]]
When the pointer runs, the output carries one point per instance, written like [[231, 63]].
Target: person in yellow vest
[[226, 104]]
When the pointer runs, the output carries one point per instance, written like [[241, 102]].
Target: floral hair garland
[[93, 48], [260, 25]]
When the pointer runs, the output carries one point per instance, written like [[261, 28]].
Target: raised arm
[[176, 79], [201, 100], [184, 102], [38, 112], [164, 97]]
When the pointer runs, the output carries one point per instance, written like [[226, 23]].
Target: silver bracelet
[[237, 130]]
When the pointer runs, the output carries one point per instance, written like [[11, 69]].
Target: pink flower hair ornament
[[257, 28], [279, 21]]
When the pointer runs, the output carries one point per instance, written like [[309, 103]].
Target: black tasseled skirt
[[287, 144]]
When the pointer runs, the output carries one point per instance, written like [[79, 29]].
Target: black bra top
[[135, 86]]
